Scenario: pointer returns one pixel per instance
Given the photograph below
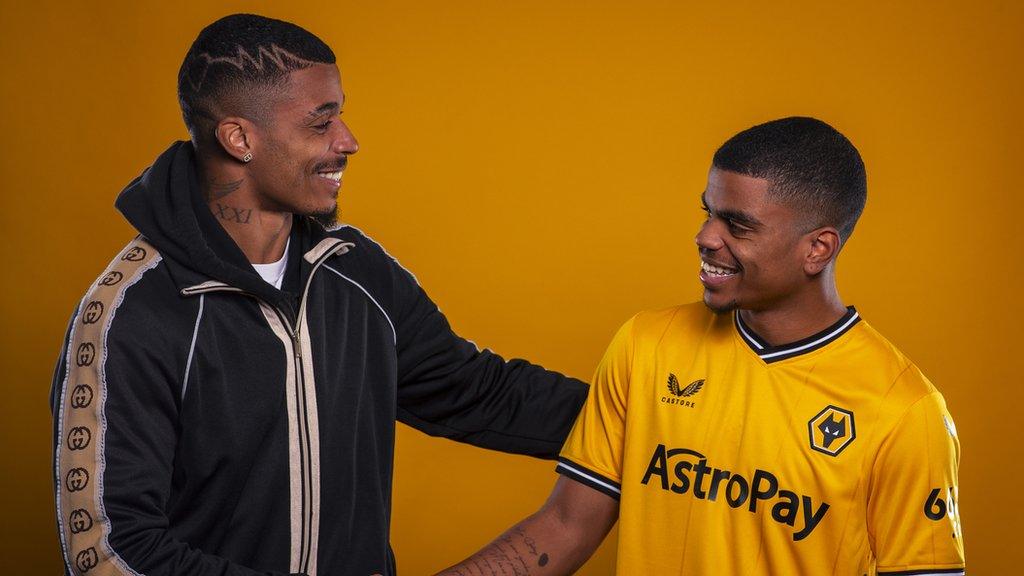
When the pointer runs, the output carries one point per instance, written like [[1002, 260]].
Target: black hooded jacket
[[208, 423]]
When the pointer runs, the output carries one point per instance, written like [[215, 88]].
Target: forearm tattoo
[[514, 553]]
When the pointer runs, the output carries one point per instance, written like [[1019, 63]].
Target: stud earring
[[247, 157]]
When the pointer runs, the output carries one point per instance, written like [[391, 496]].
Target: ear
[[236, 136], [822, 251]]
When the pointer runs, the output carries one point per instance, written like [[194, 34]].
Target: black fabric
[[196, 470], [587, 477], [166, 206]]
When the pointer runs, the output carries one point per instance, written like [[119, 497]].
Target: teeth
[[711, 269], [336, 176]]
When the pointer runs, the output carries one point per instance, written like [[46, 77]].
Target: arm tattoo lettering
[[512, 554], [531, 544]]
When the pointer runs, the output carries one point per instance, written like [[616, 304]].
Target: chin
[[327, 218], [719, 305]]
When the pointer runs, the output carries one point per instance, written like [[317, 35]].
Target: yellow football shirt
[[831, 455]]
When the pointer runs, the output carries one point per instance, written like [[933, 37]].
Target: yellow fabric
[[690, 456]]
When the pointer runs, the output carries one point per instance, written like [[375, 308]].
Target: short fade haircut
[[235, 63], [808, 164]]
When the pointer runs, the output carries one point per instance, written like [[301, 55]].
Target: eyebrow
[[734, 215], [325, 108]]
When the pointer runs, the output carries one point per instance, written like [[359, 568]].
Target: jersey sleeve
[[913, 515], [593, 452]]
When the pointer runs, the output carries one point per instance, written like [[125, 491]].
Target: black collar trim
[[771, 354]]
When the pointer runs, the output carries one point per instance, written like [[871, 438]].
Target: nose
[[344, 142], [708, 238]]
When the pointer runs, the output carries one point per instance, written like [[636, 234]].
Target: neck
[[799, 317], [261, 234]]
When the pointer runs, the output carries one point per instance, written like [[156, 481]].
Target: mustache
[[334, 166]]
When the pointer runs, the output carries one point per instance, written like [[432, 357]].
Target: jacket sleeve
[[448, 387], [115, 413]]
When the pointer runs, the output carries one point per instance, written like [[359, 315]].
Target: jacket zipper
[[305, 542]]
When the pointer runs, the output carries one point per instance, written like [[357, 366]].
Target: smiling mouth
[[332, 176], [717, 271]]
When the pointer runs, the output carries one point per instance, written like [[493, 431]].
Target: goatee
[[328, 219], [724, 309]]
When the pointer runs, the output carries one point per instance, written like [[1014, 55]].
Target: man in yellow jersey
[[769, 429]]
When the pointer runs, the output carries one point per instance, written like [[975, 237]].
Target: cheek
[[752, 257], [766, 263], [782, 266], [287, 158]]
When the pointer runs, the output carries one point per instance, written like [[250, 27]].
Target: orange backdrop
[[538, 165]]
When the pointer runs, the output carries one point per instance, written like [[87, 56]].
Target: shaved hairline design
[[273, 53]]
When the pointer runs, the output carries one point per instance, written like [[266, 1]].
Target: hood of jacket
[[166, 206]]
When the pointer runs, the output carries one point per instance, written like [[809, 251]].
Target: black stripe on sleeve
[[588, 477], [922, 572]]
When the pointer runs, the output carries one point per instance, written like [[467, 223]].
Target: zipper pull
[[297, 346]]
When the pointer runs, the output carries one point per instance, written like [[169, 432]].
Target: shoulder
[[912, 393], [366, 254], [902, 382], [362, 242], [134, 293], [684, 321], [903, 389], [136, 265], [132, 308]]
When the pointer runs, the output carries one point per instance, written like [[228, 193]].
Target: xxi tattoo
[[233, 214]]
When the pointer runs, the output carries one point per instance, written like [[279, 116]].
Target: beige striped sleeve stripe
[[84, 526]]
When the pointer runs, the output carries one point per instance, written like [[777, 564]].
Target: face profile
[[300, 147], [753, 251]]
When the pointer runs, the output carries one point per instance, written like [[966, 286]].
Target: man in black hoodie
[[226, 397]]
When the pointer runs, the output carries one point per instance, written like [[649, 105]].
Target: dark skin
[[775, 267], [782, 267], [557, 539], [297, 148]]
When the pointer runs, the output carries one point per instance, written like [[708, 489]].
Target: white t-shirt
[[273, 273]]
